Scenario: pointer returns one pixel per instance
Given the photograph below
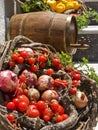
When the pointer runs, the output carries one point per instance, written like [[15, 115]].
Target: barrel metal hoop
[[49, 27]]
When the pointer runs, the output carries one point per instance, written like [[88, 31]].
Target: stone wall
[[2, 21]]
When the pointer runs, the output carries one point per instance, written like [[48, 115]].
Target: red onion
[[49, 95], [28, 50], [80, 99], [8, 81], [31, 78], [45, 82]]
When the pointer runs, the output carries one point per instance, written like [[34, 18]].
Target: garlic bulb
[[80, 99]]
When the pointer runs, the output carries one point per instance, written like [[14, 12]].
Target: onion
[[49, 95], [31, 78], [80, 99], [33, 94], [45, 82], [28, 50], [8, 81]]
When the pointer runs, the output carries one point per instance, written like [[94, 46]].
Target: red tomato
[[33, 68], [41, 105], [57, 82], [25, 91], [56, 62], [23, 98], [32, 112], [16, 101], [68, 68], [59, 67], [76, 71], [54, 105], [75, 83], [11, 117], [20, 60], [11, 106], [65, 116], [42, 65], [65, 82], [46, 117], [47, 111], [50, 71], [14, 56], [31, 60], [24, 54], [42, 59], [12, 63], [60, 110], [59, 118], [22, 78], [22, 106], [76, 76], [73, 91]]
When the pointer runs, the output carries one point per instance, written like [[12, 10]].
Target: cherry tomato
[[20, 60], [25, 91], [11, 105], [23, 98], [68, 68], [46, 118], [18, 91], [59, 67], [65, 82], [57, 82], [14, 56], [22, 78], [54, 105], [75, 83], [16, 101], [58, 118], [34, 68], [73, 91], [11, 117], [41, 105], [56, 62], [31, 60], [24, 54], [22, 106], [76, 71], [42, 58], [60, 110], [50, 71], [12, 63], [65, 116], [76, 77], [47, 111], [42, 65], [32, 112]]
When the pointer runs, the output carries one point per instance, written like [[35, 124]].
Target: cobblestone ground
[[2, 22]]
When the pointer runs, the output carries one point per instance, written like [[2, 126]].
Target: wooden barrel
[[59, 30]]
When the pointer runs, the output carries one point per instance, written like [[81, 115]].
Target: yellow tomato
[[76, 5], [69, 5], [60, 7], [64, 1], [51, 3]]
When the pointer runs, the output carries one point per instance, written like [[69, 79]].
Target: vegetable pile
[[42, 87], [84, 15], [54, 5]]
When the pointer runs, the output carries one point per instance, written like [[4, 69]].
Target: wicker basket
[[83, 119]]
